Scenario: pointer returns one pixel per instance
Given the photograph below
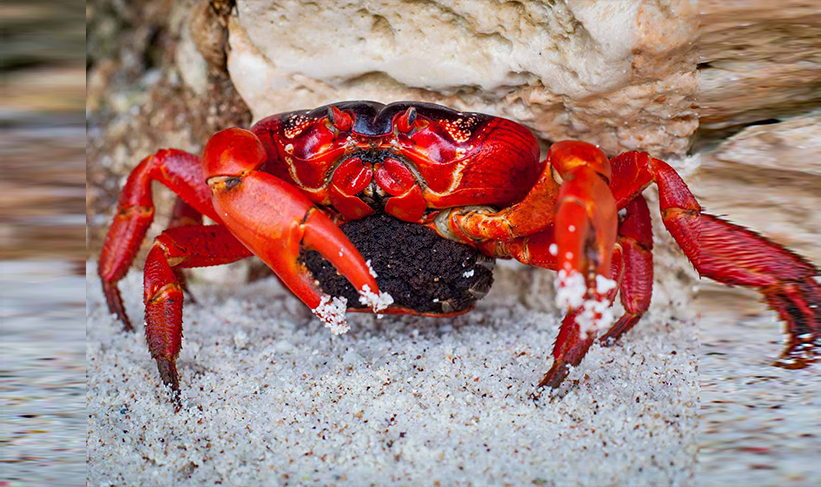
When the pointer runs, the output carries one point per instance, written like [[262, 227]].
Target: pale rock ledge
[[620, 73]]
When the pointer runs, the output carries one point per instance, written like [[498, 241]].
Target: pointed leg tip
[[607, 341], [802, 352], [127, 326], [555, 376], [168, 374], [177, 402], [115, 304], [794, 361], [791, 363]]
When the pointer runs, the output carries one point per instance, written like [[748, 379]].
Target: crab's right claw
[[275, 220]]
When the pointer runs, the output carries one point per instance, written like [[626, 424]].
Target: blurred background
[[42, 243]]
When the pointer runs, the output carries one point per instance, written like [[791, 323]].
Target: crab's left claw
[[585, 224], [275, 220], [585, 228]]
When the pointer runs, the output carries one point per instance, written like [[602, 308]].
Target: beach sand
[[272, 398]]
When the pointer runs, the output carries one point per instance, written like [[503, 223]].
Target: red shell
[[458, 158]]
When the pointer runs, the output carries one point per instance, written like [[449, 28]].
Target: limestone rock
[[619, 73]]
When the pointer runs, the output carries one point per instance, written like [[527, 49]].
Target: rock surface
[[619, 73], [758, 60]]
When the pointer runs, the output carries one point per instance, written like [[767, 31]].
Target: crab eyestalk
[[404, 123], [340, 120]]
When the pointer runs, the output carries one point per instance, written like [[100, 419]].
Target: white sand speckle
[[570, 290], [401, 401], [332, 312], [604, 285], [377, 302], [370, 269], [596, 315]]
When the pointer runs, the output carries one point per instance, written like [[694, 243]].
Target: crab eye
[[340, 120], [556, 176], [405, 121]]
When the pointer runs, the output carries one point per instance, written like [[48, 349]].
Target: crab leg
[[181, 247], [532, 250], [275, 220], [531, 215], [636, 287], [731, 254], [584, 222], [184, 215], [631, 268], [178, 170], [573, 341]]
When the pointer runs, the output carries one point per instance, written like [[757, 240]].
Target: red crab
[[290, 181]]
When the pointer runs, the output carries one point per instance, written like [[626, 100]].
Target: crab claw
[[275, 220], [585, 232]]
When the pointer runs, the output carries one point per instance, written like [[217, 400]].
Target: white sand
[[272, 398]]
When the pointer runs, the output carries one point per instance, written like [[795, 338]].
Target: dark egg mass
[[420, 269]]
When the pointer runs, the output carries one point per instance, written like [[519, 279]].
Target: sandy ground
[[271, 398], [274, 400]]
